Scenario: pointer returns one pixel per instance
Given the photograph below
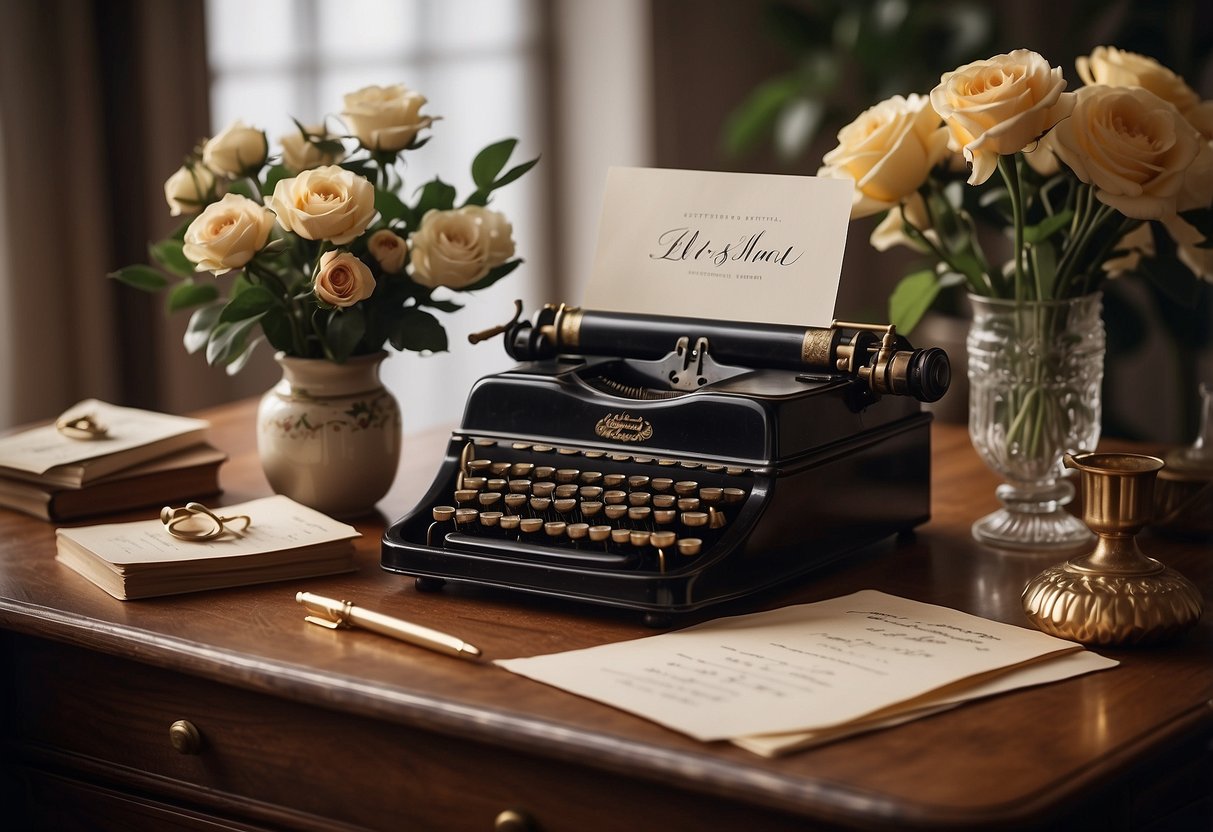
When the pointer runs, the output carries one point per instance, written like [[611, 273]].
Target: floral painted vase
[[328, 434]]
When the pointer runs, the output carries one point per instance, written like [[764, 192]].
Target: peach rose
[[388, 249], [187, 190], [888, 151], [457, 248], [1133, 147], [1000, 106], [300, 154], [237, 150], [227, 234], [342, 279], [385, 118], [327, 203], [1112, 67]]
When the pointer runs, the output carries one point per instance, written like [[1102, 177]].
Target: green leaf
[[513, 173], [169, 254], [756, 117], [272, 177], [201, 324], [141, 277], [228, 340], [250, 302], [276, 324], [435, 194], [389, 206], [1046, 228], [447, 306], [418, 330], [188, 293], [237, 364], [489, 162], [911, 298], [345, 329]]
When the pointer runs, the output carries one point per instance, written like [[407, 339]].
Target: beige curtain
[[101, 99]]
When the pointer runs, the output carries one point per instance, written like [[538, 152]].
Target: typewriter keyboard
[[588, 508]]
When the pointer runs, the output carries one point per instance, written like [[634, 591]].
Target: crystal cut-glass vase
[[1035, 370]]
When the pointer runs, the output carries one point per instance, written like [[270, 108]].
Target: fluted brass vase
[[1115, 595]]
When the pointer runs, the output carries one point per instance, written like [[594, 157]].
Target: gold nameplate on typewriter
[[665, 464]]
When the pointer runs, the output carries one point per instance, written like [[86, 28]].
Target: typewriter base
[[812, 512]]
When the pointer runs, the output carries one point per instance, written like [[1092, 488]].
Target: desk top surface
[[1016, 756]]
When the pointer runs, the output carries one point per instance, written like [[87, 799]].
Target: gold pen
[[333, 614]]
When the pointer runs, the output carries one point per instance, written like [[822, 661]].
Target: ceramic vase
[[329, 434], [1035, 373]]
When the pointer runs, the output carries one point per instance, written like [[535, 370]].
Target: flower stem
[[1014, 190]]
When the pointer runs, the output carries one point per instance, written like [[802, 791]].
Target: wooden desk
[[306, 728]]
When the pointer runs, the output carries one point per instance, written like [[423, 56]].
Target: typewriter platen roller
[[664, 464]]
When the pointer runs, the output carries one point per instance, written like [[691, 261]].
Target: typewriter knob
[[512, 820]]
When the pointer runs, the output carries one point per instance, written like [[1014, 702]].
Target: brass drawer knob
[[511, 820], [185, 737]]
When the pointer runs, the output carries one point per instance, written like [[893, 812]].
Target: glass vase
[[328, 434], [1035, 370]]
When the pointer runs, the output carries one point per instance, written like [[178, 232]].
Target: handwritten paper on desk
[[802, 668], [760, 248]]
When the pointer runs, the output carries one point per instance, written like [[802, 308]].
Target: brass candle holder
[[1115, 594]]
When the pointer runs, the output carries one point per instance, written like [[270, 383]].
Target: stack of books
[[143, 458]]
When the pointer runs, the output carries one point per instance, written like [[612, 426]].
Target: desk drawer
[[265, 760]]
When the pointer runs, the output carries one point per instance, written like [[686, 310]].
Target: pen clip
[[325, 622], [331, 615]]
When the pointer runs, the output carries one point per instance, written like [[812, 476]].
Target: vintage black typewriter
[[663, 464]]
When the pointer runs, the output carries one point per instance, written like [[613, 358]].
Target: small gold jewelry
[[196, 522], [85, 427]]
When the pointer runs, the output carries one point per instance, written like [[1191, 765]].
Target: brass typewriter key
[[599, 534], [568, 451], [639, 498], [543, 489], [519, 486], [591, 508], [664, 500], [577, 532], [567, 474], [516, 502], [555, 529], [590, 492], [689, 546], [595, 454], [465, 496], [569, 489], [494, 484], [615, 511], [442, 514], [711, 496], [685, 488], [500, 469], [662, 541], [509, 522], [733, 495], [522, 469], [661, 484], [521, 446], [694, 519], [591, 477], [530, 525], [664, 516], [488, 498], [621, 458], [466, 519], [613, 480], [637, 482], [688, 504], [639, 538], [543, 472], [734, 470], [478, 466], [713, 469], [486, 443], [640, 514], [690, 465], [565, 505], [474, 483], [666, 463], [489, 520], [615, 497], [542, 449], [621, 536], [643, 460], [540, 504]]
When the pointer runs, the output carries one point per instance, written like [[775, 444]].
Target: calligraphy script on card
[[758, 248]]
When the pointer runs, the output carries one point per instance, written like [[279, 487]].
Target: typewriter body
[[663, 464]]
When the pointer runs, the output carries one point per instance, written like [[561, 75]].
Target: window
[[480, 65]]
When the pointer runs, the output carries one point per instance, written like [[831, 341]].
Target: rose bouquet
[[323, 253], [1114, 178]]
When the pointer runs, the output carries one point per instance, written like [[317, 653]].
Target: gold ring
[[196, 522], [85, 427]]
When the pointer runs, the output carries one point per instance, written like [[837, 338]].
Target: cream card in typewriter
[[759, 248]]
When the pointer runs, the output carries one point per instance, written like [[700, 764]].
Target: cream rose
[[342, 279], [888, 151], [187, 190], [457, 248], [1000, 106], [1132, 146], [237, 150], [388, 249], [227, 234], [1112, 67], [891, 230], [300, 154], [385, 118], [327, 203]]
